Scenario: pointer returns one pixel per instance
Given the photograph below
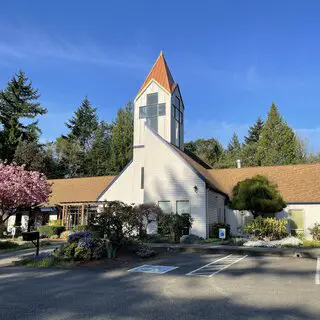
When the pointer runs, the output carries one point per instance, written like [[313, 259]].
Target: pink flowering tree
[[20, 188]]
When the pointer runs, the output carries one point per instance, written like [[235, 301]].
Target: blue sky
[[232, 59]]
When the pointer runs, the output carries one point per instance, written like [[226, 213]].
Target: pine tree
[[83, 124], [278, 143], [254, 132], [19, 100], [98, 157], [122, 139], [234, 145]]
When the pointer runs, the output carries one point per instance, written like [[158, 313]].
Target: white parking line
[[227, 266], [207, 265], [214, 267], [318, 271]]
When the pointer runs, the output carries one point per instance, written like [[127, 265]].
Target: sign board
[[222, 233], [13, 231]]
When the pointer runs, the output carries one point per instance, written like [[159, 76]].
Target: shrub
[[3, 229], [214, 232], [75, 237], [173, 225], [64, 235], [48, 231], [190, 239], [267, 228], [8, 245], [315, 231], [81, 228], [144, 251]]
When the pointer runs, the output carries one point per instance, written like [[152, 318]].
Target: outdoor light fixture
[[195, 189]]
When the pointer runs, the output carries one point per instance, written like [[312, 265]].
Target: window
[[152, 110], [177, 133], [183, 206], [296, 220], [142, 112], [165, 206], [153, 123], [177, 102], [152, 98], [142, 177], [162, 109]]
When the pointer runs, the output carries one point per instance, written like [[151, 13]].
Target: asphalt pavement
[[200, 286]]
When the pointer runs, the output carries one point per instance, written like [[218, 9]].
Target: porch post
[[82, 214]]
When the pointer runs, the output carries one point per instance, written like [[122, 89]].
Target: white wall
[[215, 208], [238, 219], [169, 178], [311, 215], [122, 188]]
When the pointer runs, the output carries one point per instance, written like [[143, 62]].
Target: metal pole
[[38, 245]]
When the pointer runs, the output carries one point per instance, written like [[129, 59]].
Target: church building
[[162, 171]]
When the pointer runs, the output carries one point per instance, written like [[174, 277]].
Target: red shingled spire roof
[[160, 73]]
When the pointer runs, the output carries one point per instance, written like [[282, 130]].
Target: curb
[[284, 252]]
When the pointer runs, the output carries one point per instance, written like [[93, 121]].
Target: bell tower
[[159, 106]]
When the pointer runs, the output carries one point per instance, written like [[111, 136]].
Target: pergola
[[78, 213]]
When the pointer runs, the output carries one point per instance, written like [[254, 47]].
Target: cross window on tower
[[152, 111]]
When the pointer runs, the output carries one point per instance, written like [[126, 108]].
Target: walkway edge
[[313, 253]]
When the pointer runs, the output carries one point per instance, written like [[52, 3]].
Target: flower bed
[[286, 242]]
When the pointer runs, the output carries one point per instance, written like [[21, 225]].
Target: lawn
[[9, 245], [311, 244]]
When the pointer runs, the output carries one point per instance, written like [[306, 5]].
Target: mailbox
[[30, 236]]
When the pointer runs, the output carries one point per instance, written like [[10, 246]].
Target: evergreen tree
[[249, 155], [83, 124], [278, 143], [19, 100], [98, 157], [234, 146], [209, 150], [122, 139], [254, 132]]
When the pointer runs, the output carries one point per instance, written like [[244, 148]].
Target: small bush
[[144, 252], [75, 237], [81, 228], [215, 230], [64, 235], [173, 225], [8, 245], [267, 228], [43, 260], [190, 239], [48, 231], [315, 231]]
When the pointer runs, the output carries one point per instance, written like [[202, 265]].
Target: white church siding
[[169, 178], [215, 209], [121, 188]]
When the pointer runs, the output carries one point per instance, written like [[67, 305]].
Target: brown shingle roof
[[160, 72], [296, 183], [77, 189]]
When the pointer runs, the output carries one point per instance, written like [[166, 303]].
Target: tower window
[[152, 98], [142, 177], [162, 109]]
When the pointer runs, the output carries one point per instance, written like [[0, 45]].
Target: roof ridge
[[260, 167], [74, 178]]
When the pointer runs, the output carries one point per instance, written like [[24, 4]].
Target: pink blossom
[[20, 188]]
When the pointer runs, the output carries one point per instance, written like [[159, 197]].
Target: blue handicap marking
[[149, 268]]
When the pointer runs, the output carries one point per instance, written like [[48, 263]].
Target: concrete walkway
[[312, 253]]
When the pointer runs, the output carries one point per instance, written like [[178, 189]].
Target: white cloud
[[33, 45]]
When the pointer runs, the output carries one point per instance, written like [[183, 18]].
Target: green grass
[[47, 262], [211, 240], [311, 244], [10, 245]]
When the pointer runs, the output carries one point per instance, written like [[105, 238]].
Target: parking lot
[[194, 286]]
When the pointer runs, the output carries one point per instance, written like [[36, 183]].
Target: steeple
[[161, 74]]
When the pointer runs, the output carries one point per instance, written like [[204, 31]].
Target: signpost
[[32, 236], [13, 232], [222, 233]]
